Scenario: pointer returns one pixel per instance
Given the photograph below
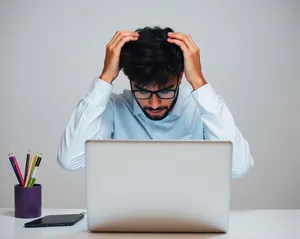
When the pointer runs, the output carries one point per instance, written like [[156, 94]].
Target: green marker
[[32, 178], [31, 182]]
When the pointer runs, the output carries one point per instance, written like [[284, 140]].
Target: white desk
[[273, 224]]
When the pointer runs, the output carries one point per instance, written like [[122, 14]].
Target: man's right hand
[[113, 49]]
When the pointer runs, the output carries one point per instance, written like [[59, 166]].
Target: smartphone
[[56, 220]]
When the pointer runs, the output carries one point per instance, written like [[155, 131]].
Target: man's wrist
[[106, 78], [199, 82]]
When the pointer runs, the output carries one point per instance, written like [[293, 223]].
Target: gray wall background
[[52, 50]]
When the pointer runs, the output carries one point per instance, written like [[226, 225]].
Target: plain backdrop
[[52, 50]]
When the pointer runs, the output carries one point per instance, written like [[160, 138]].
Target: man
[[158, 106]]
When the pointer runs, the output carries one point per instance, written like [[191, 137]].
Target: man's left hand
[[191, 54]]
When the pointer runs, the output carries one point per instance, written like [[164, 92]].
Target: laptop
[[158, 186]]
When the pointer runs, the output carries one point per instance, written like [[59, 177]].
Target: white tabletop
[[243, 224]]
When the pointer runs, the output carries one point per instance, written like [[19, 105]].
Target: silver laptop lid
[[158, 186]]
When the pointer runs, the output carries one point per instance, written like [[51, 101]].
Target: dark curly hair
[[151, 59]]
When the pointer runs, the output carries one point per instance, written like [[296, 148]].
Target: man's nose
[[154, 101]]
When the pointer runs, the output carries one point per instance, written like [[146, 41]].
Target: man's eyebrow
[[139, 87], [168, 87], [163, 88]]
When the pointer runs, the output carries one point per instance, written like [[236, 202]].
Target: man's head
[[154, 67]]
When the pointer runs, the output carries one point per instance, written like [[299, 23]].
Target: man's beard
[[159, 117]]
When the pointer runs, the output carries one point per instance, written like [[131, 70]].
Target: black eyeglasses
[[161, 94]]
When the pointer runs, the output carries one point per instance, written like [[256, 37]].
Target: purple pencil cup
[[28, 201]]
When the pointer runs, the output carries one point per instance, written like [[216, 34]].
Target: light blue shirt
[[198, 114]]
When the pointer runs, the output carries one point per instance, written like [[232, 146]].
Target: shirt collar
[[136, 108]]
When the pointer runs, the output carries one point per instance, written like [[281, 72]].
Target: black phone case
[[33, 224]]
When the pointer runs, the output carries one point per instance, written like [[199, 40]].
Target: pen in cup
[[33, 177]]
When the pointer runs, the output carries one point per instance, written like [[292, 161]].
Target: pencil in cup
[[16, 169], [27, 165], [31, 166]]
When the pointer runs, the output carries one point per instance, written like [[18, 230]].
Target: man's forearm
[[82, 125], [220, 125]]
